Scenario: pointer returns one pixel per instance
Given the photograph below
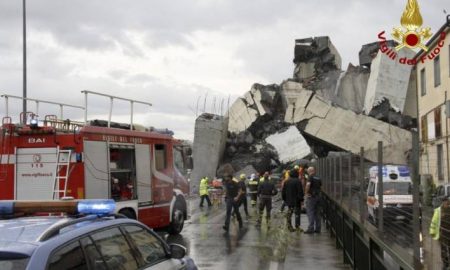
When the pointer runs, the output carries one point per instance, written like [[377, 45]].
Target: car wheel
[[177, 224], [128, 213]]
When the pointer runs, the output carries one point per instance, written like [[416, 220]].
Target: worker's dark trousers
[[203, 197], [293, 210], [232, 205], [312, 210], [267, 204], [244, 202], [445, 253]]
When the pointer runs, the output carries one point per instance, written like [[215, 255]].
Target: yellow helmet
[[242, 176]]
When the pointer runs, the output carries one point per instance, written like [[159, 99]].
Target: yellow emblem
[[414, 36]]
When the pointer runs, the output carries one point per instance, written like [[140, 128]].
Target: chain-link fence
[[381, 213]]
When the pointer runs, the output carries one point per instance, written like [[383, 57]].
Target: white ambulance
[[397, 193]]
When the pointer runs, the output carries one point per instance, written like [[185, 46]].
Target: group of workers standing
[[298, 186]]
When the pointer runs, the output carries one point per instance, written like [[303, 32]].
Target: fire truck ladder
[[61, 173], [7, 130]]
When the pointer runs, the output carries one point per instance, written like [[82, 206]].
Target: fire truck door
[[143, 173], [35, 169], [96, 179]]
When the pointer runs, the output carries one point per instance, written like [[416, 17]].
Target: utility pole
[[446, 136], [24, 109]]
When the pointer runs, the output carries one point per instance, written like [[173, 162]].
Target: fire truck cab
[[143, 171]]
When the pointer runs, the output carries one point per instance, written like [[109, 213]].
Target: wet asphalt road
[[254, 248]]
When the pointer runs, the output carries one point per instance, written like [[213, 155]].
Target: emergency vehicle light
[[96, 207], [34, 123], [85, 207]]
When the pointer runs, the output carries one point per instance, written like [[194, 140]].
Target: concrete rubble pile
[[321, 109]]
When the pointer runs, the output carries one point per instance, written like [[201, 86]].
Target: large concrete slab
[[347, 130], [241, 116], [290, 145], [290, 92], [209, 145], [351, 89], [388, 79], [350, 131], [295, 110]]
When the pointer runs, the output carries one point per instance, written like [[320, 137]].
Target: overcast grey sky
[[171, 53]]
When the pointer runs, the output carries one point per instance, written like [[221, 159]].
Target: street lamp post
[[24, 61]]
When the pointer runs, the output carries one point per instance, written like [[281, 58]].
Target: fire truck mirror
[[189, 163]]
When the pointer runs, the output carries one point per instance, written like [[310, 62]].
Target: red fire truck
[[144, 171]]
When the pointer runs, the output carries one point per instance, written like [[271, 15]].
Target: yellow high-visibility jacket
[[435, 225], [203, 187]]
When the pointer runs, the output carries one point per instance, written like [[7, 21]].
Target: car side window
[[150, 247], [115, 250], [93, 257], [68, 257], [448, 190]]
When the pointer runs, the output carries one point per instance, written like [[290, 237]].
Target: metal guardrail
[[377, 240]]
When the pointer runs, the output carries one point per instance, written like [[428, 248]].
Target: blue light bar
[[96, 207], [6, 208]]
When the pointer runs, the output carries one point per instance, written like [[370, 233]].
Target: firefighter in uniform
[[440, 230], [253, 189], [233, 193], [204, 184], [266, 189], [243, 200]]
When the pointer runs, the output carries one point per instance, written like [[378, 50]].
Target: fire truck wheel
[[177, 224], [128, 213]]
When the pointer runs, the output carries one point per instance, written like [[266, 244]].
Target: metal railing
[[394, 235]]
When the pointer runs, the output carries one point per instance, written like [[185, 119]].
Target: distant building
[[433, 90]]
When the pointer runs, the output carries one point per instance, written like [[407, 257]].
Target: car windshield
[[13, 264], [397, 188]]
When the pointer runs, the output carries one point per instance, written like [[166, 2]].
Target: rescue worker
[[127, 191], [253, 189], [243, 200], [266, 189], [440, 230], [204, 184], [292, 194], [115, 189], [312, 191], [233, 194], [285, 175]]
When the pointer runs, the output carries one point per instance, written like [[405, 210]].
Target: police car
[[87, 236]]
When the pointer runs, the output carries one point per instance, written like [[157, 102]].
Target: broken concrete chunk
[[290, 145], [351, 88], [303, 71], [388, 79], [290, 91], [295, 111], [241, 117], [349, 131], [370, 50], [249, 98], [306, 49]]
